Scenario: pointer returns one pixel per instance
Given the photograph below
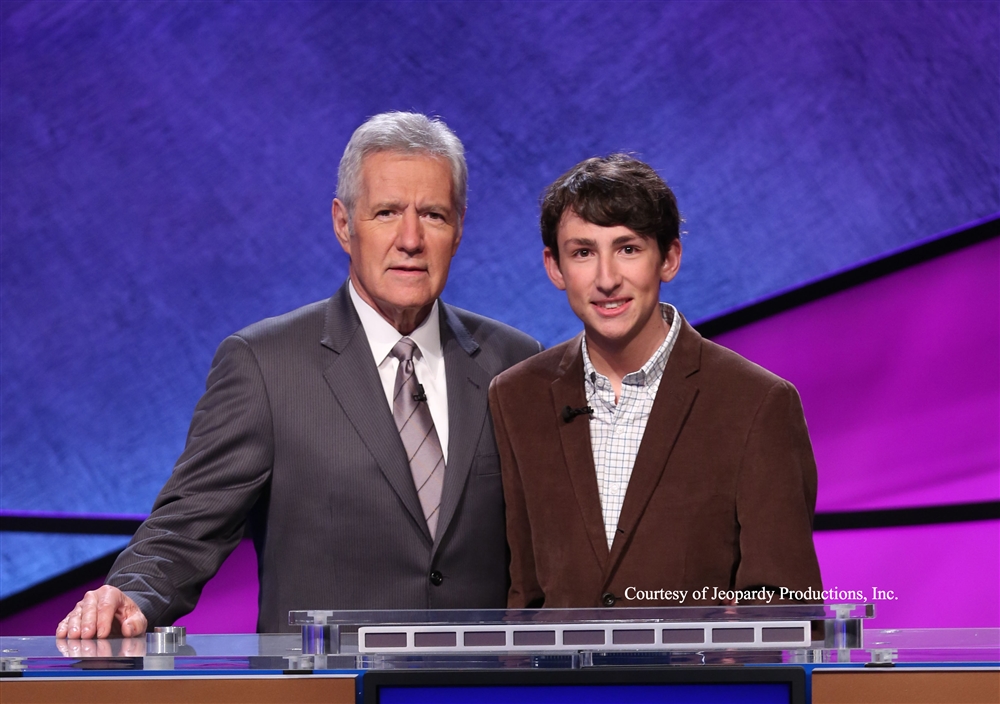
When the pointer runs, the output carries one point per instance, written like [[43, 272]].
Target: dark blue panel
[[760, 693]]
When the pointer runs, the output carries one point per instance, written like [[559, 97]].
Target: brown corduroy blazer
[[721, 495]]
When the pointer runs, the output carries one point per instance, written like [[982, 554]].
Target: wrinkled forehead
[[407, 169]]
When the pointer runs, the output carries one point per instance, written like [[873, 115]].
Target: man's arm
[[776, 497], [197, 519], [524, 588]]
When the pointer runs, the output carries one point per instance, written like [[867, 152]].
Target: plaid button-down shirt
[[616, 429]]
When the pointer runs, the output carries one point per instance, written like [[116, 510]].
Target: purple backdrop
[[166, 169], [900, 381]]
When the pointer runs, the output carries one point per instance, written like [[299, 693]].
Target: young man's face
[[612, 278]]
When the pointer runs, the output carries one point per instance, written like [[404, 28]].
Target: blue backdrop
[[166, 171]]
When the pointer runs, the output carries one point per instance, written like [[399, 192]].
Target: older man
[[642, 464], [352, 434]]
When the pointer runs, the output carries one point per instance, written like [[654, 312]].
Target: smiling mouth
[[611, 305]]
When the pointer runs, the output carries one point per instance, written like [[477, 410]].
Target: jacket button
[[608, 599], [436, 578]]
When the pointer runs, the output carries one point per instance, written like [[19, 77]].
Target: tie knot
[[405, 350]]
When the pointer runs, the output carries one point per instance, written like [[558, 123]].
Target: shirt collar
[[648, 374], [382, 337]]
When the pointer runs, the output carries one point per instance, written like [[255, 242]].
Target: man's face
[[402, 236], [612, 279]]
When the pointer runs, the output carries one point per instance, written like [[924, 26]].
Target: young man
[[642, 464]]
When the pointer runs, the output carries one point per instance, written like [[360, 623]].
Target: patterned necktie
[[416, 429]]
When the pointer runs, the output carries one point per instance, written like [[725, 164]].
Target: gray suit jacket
[[294, 436]]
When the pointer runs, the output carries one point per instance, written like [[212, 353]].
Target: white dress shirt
[[616, 429], [428, 368]]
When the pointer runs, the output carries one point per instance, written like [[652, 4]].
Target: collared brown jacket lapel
[[676, 395]]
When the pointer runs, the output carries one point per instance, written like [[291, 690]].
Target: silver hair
[[404, 132]]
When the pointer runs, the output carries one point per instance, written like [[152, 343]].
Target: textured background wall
[[166, 170]]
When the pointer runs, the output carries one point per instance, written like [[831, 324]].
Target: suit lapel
[[353, 378], [568, 390], [467, 407], [674, 399]]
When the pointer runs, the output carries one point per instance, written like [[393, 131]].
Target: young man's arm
[[524, 591], [776, 497]]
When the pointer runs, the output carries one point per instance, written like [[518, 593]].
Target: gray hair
[[404, 132]]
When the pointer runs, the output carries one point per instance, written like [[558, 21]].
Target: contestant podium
[[807, 653]]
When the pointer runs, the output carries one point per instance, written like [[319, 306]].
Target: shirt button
[[608, 599], [619, 430], [436, 578]]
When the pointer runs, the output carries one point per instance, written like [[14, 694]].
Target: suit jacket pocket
[[484, 465]]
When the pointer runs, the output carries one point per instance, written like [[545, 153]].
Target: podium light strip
[[774, 635]]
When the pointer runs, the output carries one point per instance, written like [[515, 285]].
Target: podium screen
[[705, 685]]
